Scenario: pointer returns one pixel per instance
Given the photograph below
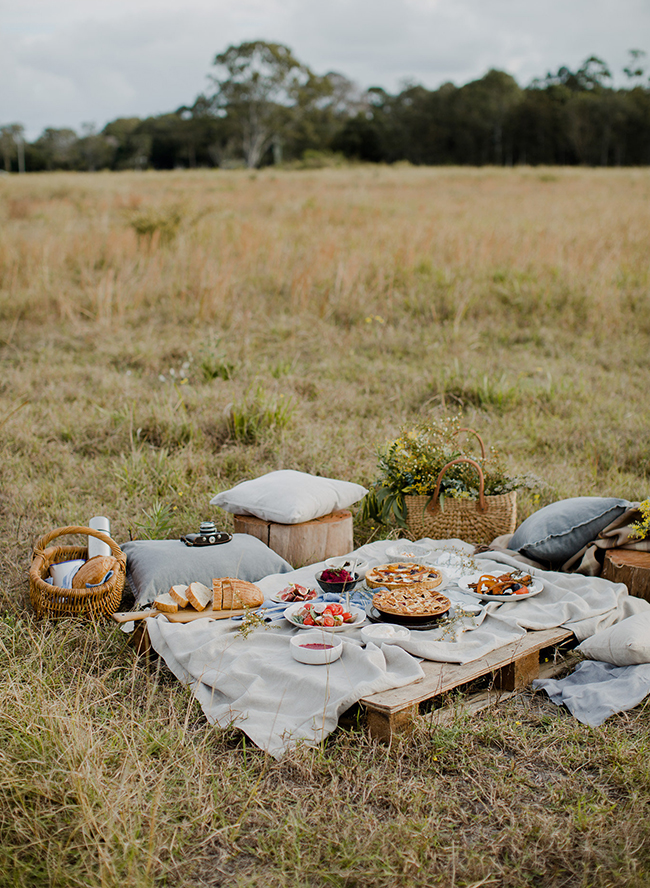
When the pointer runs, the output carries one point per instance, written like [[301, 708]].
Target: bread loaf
[[166, 604], [232, 594], [94, 571], [199, 596], [179, 594]]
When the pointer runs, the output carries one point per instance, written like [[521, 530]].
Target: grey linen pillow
[[559, 531], [624, 644], [153, 566]]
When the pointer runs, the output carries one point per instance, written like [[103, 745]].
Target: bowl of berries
[[337, 580]]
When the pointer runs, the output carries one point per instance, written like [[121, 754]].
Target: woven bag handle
[[480, 440], [482, 505], [88, 531]]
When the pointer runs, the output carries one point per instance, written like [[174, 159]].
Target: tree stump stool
[[630, 567], [305, 543]]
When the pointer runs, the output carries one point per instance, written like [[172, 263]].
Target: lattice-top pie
[[411, 602], [399, 575]]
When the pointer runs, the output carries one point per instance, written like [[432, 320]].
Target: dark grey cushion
[[153, 566], [559, 531]]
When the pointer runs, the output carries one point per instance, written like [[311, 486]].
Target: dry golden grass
[[305, 316]]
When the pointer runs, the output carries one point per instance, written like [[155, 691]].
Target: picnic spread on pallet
[[281, 652]]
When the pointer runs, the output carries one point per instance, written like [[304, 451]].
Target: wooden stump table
[[630, 567], [305, 543]]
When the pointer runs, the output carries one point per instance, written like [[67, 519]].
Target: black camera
[[208, 535]]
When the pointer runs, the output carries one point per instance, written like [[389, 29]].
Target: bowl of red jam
[[316, 647]]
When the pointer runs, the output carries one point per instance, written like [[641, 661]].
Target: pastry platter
[[533, 587]]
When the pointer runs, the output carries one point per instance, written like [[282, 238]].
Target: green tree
[[12, 142], [257, 86]]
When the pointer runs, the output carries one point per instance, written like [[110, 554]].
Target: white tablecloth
[[256, 685]]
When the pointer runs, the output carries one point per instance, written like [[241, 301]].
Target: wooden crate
[[514, 666], [305, 543]]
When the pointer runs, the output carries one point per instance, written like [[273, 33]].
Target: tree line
[[265, 107]]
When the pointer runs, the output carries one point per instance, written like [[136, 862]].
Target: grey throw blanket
[[595, 690]]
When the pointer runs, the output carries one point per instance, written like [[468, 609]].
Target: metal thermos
[[95, 546]]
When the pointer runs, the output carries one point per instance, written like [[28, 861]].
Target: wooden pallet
[[514, 666]]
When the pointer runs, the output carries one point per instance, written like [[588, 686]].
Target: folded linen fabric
[[596, 690]]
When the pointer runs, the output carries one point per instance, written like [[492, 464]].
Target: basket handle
[[88, 531], [482, 505], [480, 440]]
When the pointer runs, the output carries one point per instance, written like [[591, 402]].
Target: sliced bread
[[199, 596], [179, 594], [232, 594], [166, 604]]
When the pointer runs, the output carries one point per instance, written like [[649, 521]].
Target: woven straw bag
[[53, 601], [474, 521]]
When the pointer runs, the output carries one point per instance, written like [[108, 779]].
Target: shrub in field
[[163, 222], [256, 414]]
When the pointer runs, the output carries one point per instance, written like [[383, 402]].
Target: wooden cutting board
[[183, 615]]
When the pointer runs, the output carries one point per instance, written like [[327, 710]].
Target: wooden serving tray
[[183, 615]]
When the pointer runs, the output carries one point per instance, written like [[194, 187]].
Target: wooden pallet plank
[[442, 677], [481, 700]]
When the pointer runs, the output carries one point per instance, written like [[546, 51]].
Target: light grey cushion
[[624, 644], [154, 566], [289, 497], [557, 532]]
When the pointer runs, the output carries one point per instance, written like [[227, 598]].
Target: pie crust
[[401, 575], [411, 602]]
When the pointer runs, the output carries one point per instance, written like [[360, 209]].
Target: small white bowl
[[408, 552], [379, 633], [316, 656], [350, 563]]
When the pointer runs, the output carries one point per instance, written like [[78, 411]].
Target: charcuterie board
[[183, 615]]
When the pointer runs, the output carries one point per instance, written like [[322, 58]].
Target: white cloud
[[80, 60]]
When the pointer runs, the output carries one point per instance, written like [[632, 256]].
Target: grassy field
[[165, 335]]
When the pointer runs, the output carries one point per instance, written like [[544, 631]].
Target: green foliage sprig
[[410, 465]]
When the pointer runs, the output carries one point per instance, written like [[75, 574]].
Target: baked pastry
[[179, 594], [166, 604], [232, 594], [94, 571], [399, 575], [411, 601], [199, 596]]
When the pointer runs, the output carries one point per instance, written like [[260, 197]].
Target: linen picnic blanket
[[255, 684]]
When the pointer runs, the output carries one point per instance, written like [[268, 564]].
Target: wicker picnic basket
[[53, 601], [474, 521]]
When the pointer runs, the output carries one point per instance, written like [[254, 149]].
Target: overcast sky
[[66, 62]]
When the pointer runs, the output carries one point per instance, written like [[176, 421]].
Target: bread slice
[[166, 604], [232, 594], [179, 594], [199, 596]]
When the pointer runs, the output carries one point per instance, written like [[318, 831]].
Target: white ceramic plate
[[319, 607], [408, 552], [351, 563], [463, 583]]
